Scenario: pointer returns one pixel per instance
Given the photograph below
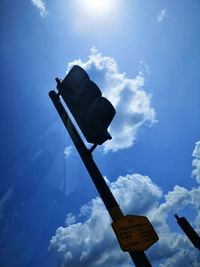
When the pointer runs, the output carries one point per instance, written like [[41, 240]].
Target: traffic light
[[189, 231], [92, 112]]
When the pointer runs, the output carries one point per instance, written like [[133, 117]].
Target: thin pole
[[139, 258], [187, 257]]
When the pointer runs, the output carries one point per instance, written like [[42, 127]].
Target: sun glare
[[96, 16], [97, 6]]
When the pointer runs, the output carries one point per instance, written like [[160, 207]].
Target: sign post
[[134, 233], [139, 258]]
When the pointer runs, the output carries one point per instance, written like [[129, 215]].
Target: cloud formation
[[40, 4], [196, 162], [79, 244], [68, 151], [162, 15], [132, 103], [88, 240], [6, 196]]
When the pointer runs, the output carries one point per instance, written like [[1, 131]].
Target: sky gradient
[[144, 56]]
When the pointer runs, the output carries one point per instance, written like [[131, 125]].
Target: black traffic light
[[189, 231], [92, 112]]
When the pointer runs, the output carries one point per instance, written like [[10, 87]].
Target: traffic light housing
[[92, 112]]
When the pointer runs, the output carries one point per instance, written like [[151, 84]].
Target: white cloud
[[196, 162], [132, 103], [144, 68], [162, 15], [91, 242], [4, 199], [85, 242], [68, 151], [71, 219], [186, 257], [176, 199], [87, 239], [40, 4]]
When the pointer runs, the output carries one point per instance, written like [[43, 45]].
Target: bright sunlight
[[95, 16], [98, 7]]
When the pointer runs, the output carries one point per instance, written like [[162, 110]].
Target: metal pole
[[189, 231], [139, 258]]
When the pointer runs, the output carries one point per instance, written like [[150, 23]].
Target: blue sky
[[145, 57]]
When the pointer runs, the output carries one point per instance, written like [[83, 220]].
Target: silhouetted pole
[[189, 231], [139, 258]]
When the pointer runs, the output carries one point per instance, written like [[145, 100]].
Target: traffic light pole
[[139, 258]]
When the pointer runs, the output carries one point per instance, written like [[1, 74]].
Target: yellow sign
[[134, 233]]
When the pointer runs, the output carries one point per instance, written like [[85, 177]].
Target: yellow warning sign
[[134, 233]]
